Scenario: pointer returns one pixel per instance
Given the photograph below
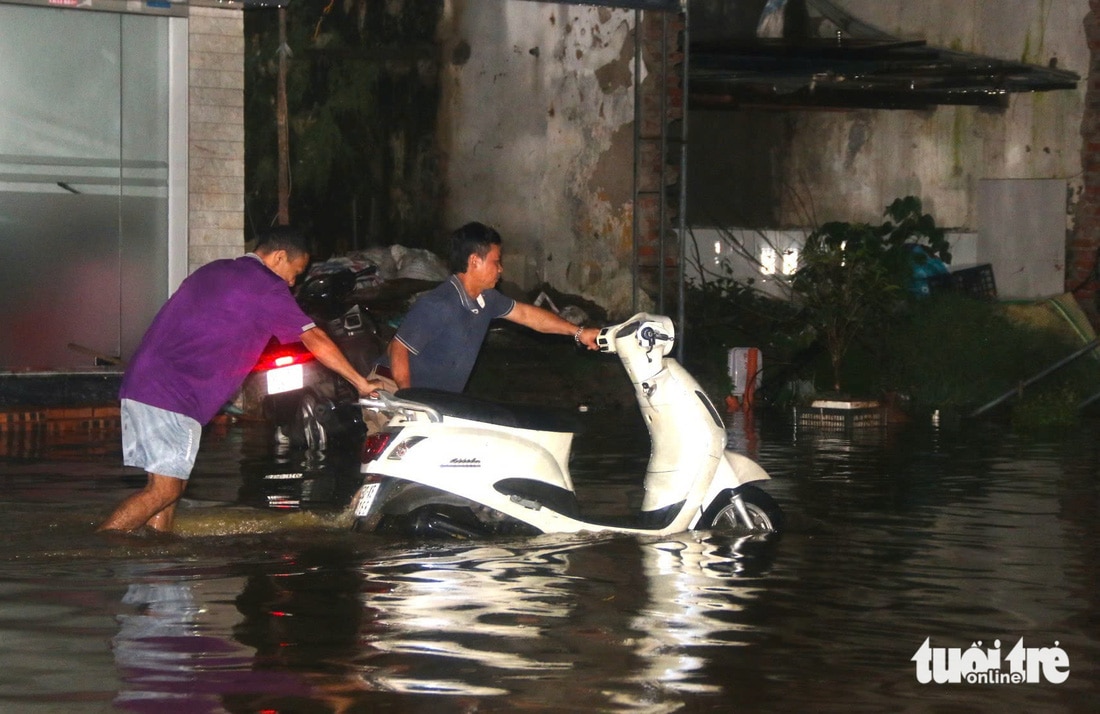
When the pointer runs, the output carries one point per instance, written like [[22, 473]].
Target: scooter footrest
[[555, 498], [646, 520]]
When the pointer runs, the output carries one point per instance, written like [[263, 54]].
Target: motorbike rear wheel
[[310, 425], [764, 514]]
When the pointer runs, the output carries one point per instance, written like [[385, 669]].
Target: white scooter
[[452, 465]]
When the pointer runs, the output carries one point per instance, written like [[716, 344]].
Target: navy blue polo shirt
[[444, 330]]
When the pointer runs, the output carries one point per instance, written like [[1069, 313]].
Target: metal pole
[[281, 122], [662, 233], [1052, 368], [355, 222], [683, 180], [1089, 401], [634, 226]]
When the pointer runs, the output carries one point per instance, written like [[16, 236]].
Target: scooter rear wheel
[[764, 514]]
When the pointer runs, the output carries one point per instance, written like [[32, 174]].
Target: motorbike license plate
[[367, 494], [284, 379]]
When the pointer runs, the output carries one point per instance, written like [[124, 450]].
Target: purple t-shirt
[[208, 336], [444, 331]]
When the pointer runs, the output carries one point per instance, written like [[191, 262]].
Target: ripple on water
[[960, 537]]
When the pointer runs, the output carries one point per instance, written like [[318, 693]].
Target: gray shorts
[[159, 441]]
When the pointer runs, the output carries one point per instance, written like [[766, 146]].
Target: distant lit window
[[769, 260], [790, 261]]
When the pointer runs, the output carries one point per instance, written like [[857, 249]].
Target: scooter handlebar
[[649, 335], [646, 329]]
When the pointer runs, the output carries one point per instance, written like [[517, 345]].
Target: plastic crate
[[976, 282], [841, 416]]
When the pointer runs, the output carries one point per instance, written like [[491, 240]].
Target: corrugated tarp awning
[[845, 62]]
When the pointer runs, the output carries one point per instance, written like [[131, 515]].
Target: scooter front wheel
[[749, 509]]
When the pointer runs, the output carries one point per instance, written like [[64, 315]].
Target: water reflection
[[698, 592], [960, 535], [625, 622], [303, 617], [165, 659]]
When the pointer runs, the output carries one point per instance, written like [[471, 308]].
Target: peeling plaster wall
[[817, 166], [945, 152], [536, 126]]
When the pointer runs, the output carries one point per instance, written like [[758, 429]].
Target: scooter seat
[[518, 416]]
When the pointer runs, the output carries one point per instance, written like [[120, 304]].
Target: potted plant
[[853, 276]]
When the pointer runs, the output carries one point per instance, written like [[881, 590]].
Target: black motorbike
[[310, 406]]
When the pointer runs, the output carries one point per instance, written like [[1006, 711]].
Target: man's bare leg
[[163, 519], [153, 506]]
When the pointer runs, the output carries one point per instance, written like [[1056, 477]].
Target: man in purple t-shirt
[[199, 349], [439, 340]]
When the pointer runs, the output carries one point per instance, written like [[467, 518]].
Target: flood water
[[258, 604]]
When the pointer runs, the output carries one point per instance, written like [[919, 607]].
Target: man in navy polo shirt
[[199, 349], [439, 340]]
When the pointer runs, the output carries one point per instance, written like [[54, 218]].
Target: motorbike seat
[[518, 416]]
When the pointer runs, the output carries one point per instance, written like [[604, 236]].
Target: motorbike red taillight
[[375, 444], [278, 355]]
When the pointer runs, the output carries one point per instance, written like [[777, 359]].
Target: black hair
[[282, 238], [470, 239]]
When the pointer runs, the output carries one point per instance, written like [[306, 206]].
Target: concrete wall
[[848, 165], [216, 143], [537, 129], [801, 168], [940, 155], [1083, 251]]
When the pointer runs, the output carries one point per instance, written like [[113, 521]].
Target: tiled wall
[[216, 123]]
